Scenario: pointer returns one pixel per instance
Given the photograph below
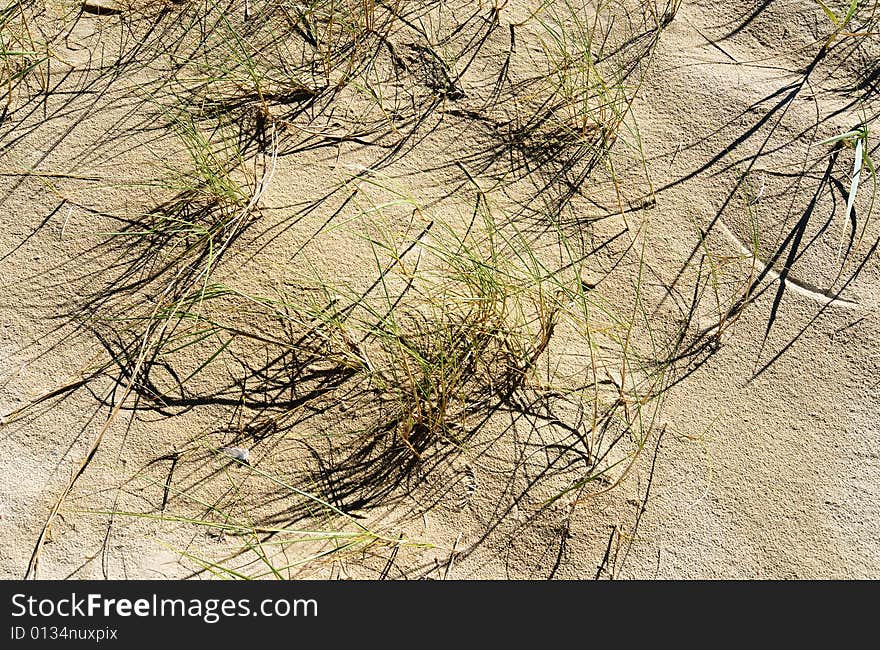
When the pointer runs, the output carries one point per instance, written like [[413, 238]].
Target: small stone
[[238, 453], [102, 7]]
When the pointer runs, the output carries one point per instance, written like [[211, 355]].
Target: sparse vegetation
[[372, 239], [22, 53]]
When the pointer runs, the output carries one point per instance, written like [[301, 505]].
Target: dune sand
[[716, 228]]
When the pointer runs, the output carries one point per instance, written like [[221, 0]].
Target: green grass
[[22, 50], [858, 141], [466, 309], [460, 321]]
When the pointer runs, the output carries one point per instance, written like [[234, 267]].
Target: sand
[[762, 458]]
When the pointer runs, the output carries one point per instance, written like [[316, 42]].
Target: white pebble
[[238, 453]]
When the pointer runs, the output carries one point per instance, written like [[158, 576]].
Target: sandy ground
[[763, 462]]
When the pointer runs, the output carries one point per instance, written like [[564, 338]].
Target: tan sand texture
[[422, 289]]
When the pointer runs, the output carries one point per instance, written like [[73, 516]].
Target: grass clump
[[453, 339], [460, 318], [22, 52]]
